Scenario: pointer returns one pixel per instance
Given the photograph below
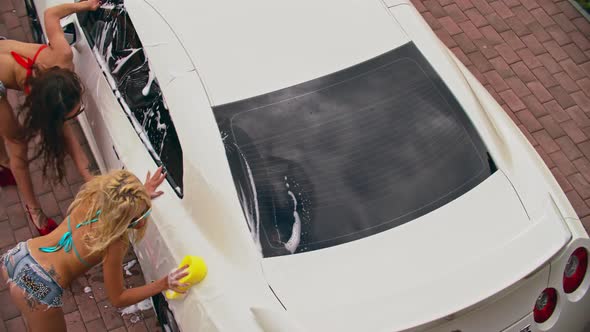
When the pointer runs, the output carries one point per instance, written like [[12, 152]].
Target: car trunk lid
[[439, 264]]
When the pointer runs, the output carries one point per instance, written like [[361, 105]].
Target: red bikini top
[[27, 63]]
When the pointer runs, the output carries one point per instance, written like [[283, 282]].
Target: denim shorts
[[24, 271]]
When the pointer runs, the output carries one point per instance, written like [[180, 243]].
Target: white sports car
[[333, 162]]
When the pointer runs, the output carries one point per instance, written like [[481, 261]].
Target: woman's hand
[[173, 280], [153, 182]]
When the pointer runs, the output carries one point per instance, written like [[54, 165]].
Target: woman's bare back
[[65, 266]]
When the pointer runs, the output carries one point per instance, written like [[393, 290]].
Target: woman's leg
[[38, 317], [3, 154], [19, 161]]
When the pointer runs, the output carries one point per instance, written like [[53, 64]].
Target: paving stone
[[583, 166], [486, 48], [580, 40], [518, 86], [461, 56], [10, 19], [61, 191], [530, 4], [553, 128], [17, 216], [564, 22], [573, 131], [512, 3], [64, 205], [558, 35], [564, 164], [476, 17], [9, 195], [7, 309], [539, 91], [566, 82], [507, 53], [465, 43], [496, 81], [74, 322], [87, 307], [15, 325], [3, 213], [580, 184], [516, 25], [450, 25], [69, 302], [19, 7], [502, 67], [533, 44], [582, 24], [470, 30], [561, 179], [501, 9], [96, 325], [529, 58], [550, 164], [569, 148], [546, 142], [49, 204], [555, 50], [22, 234], [581, 100], [110, 315], [40, 185], [512, 39], [6, 235], [523, 14], [545, 77], [562, 97], [523, 72], [542, 17], [578, 203]]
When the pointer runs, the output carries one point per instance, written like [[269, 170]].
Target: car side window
[[117, 47]]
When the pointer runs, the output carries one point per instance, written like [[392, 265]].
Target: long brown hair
[[54, 93]]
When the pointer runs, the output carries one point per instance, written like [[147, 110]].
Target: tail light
[[575, 270], [545, 305]]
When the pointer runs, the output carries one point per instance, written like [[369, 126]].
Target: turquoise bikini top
[[67, 243]]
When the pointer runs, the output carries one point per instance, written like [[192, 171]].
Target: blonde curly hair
[[121, 199]]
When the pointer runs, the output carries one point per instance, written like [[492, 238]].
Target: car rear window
[[351, 154]]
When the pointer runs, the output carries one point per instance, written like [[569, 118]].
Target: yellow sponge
[[197, 270]]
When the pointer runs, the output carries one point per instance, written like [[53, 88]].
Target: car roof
[[243, 49]]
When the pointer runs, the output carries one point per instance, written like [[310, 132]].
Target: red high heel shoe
[[51, 224], [6, 177]]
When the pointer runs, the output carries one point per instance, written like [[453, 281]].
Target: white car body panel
[[243, 49], [212, 53]]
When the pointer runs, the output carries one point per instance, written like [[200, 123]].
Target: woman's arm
[[77, 153], [55, 34], [113, 279]]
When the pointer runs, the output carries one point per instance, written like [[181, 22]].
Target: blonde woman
[[106, 213]]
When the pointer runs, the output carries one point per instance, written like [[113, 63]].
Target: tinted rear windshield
[[351, 154]]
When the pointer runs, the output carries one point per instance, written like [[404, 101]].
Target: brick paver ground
[[532, 55], [534, 58], [84, 311]]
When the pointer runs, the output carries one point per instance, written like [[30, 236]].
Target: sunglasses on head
[[135, 222], [78, 112]]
